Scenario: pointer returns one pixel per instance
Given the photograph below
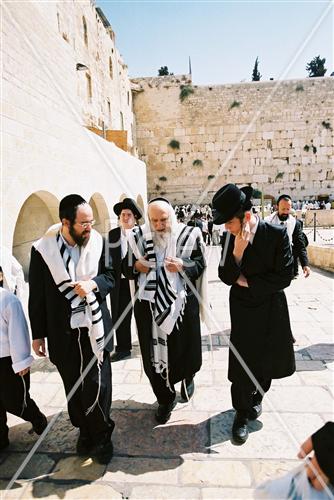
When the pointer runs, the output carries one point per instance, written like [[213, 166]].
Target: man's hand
[[173, 264], [83, 288], [142, 266], [23, 372], [317, 478], [38, 346], [306, 271], [241, 241], [242, 281]]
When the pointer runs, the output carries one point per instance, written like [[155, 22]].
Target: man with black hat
[[70, 276], [128, 213], [257, 263], [294, 228]]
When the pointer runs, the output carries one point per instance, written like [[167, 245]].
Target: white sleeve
[[18, 335]]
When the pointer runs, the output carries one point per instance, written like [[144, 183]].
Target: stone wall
[[47, 151], [277, 136]]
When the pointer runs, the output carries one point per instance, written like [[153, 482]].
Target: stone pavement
[[192, 455]]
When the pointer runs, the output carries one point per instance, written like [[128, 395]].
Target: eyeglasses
[[84, 225]]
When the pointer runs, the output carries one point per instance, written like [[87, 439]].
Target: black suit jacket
[[260, 324], [50, 312], [298, 248], [115, 249]]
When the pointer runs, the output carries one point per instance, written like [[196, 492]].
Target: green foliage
[[174, 144], [163, 71], [299, 88], [256, 76], [163, 178], [197, 163], [186, 90], [211, 177], [235, 104], [157, 187], [326, 125], [306, 148], [314, 149], [279, 176], [316, 67]]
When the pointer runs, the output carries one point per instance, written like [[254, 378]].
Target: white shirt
[[253, 231], [14, 335], [74, 251]]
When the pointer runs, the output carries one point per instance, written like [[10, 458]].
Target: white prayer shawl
[[290, 223], [165, 291], [86, 312]]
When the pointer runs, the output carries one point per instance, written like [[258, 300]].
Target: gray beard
[[160, 240]]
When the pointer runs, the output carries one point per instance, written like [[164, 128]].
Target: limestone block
[[215, 473], [141, 470]]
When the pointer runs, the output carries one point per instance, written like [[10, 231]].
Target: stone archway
[[37, 214], [101, 213]]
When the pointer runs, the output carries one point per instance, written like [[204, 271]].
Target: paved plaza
[[192, 455]]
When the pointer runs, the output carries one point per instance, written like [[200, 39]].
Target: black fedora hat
[[229, 200], [129, 204]]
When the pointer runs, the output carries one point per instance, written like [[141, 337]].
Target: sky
[[222, 38]]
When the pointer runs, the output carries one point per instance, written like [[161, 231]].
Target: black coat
[[260, 324], [115, 249], [50, 312], [298, 244]]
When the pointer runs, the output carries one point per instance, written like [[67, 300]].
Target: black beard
[[79, 239], [283, 217]]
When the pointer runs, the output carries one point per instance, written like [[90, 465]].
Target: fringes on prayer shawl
[[91, 408], [24, 404]]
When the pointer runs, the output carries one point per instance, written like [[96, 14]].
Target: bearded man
[[70, 278], [167, 259]]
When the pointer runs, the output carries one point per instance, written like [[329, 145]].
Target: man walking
[[257, 263], [69, 279], [128, 213], [294, 228], [167, 258]]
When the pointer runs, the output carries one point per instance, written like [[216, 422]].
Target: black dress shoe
[[255, 411], [39, 423], [84, 444], [239, 428], [119, 355], [103, 451], [163, 413], [187, 389]]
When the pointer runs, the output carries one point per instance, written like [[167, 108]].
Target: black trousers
[[245, 395], [123, 332], [13, 393], [97, 424]]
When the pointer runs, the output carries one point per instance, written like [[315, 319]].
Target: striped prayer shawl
[[165, 291], [85, 313]]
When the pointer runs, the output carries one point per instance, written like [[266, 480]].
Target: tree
[[316, 67], [163, 71], [256, 76]]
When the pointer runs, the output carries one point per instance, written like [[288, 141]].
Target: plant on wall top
[[186, 90], [197, 163], [174, 144], [211, 177], [234, 104], [279, 176], [326, 125], [306, 148]]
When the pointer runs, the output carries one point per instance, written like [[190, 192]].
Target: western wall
[[275, 135]]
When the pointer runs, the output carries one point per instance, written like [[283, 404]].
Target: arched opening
[[101, 213], [123, 195], [37, 214]]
